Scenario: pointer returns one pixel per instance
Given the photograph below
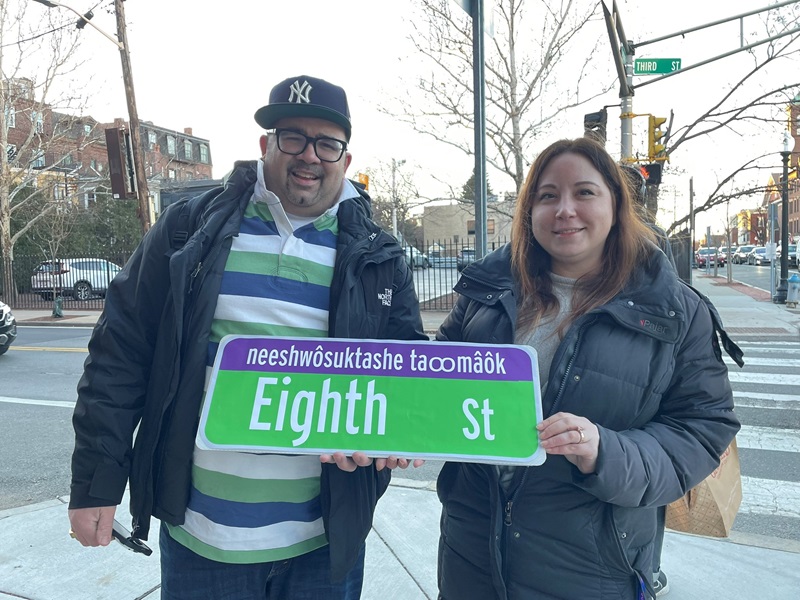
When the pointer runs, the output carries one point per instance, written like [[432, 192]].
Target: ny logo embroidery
[[300, 92], [386, 297]]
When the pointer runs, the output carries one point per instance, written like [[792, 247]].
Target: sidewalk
[[39, 561]]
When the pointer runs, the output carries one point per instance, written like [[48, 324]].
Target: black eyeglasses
[[294, 143]]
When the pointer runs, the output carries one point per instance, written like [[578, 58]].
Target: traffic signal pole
[[626, 108]]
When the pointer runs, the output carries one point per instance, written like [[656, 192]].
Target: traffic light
[[363, 179], [652, 173], [655, 148], [594, 125]]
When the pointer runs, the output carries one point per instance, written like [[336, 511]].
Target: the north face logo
[[386, 297], [300, 92]]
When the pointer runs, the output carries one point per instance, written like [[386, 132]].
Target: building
[[72, 149], [452, 226]]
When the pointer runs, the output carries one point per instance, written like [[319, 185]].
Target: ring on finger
[[582, 434]]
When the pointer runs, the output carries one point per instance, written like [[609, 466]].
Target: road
[[37, 402]]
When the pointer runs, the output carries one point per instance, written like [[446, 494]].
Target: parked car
[[8, 327], [757, 256], [792, 260], [722, 255], [465, 256], [416, 259], [706, 255], [80, 278], [739, 256]]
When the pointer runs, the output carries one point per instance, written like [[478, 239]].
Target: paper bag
[[710, 508]]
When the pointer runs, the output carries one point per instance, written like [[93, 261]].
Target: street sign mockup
[[462, 402], [656, 66]]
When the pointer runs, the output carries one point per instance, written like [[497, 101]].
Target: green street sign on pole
[[656, 66], [447, 401]]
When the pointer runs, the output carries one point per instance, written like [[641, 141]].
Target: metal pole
[[783, 286], [626, 108], [691, 226], [480, 128], [142, 192], [394, 200]]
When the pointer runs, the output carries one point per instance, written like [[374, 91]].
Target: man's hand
[[359, 459], [92, 526]]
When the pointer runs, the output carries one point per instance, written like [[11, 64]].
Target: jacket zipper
[[510, 503], [569, 366]]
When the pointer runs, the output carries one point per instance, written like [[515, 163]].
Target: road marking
[[765, 378], [768, 438], [770, 497], [768, 362], [46, 349], [60, 404]]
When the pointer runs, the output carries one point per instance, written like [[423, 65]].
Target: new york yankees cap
[[305, 96]]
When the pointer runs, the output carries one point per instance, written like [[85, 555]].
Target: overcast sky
[[210, 66]]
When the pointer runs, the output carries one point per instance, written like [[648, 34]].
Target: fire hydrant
[[57, 307], [793, 291]]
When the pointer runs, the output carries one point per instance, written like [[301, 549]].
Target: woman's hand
[[574, 437]]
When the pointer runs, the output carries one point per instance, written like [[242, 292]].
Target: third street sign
[[655, 66]]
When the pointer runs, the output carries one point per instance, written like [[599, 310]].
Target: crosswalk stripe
[[766, 378], [779, 398], [768, 438], [770, 497], [767, 362]]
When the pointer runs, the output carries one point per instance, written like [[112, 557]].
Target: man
[[286, 247]]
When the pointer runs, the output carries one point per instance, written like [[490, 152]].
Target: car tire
[[82, 291], [4, 349]]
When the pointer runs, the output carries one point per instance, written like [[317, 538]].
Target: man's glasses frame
[[328, 152]]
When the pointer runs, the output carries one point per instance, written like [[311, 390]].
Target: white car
[[80, 278]]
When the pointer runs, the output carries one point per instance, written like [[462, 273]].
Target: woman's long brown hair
[[626, 246]]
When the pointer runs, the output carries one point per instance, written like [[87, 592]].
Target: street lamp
[[395, 164], [121, 42], [783, 285]]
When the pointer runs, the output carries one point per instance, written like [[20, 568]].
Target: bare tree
[[755, 101], [37, 58], [531, 40]]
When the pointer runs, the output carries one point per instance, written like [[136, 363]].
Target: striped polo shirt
[[247, 507]]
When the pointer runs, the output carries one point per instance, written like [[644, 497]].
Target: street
[[37, 402]]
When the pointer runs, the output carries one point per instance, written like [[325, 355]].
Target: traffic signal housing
[[652, 173], [656, 150], [594, 125]]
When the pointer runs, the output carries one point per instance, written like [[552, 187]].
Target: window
[[151, 139], [87, 129], [11, 116], [38, 160], [187, 150], [171, 174], [37, 121], [11, 151], [171, 145], [489, 227], [203, 153]]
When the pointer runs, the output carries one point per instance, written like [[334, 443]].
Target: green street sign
[[656, 66], [446, 401]]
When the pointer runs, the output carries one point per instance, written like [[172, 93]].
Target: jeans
[[188, 576]]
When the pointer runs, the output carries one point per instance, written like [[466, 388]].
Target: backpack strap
[[731, 348], [182, 228]]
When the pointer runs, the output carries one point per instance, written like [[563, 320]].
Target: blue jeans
[[188, 576]]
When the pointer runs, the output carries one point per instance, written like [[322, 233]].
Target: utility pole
[[142, 193]]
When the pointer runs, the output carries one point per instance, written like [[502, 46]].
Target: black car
[[8, 327]]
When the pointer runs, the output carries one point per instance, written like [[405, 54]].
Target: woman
[[637, 401]]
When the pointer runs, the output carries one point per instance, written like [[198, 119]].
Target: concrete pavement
[[39, 561]]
